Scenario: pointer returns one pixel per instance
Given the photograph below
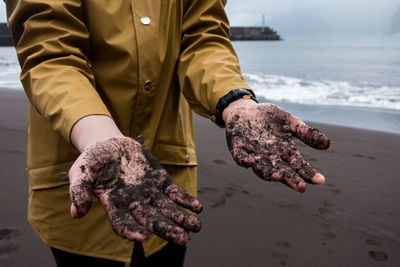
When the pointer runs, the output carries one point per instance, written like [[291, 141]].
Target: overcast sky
[[338, 15], [2, 12], [341, 15], [241, 11]]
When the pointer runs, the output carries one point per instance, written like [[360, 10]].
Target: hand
[[135, 190], [260, 136]]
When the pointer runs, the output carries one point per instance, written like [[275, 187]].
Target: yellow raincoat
[[144, 63]]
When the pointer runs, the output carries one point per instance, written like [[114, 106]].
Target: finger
[[170, 210], [302, 167], [181, 197], [125, 225], [242, 157], [156, 223], [80, 193], [308, 135], [294, 181], [121, 219], [277, 171]]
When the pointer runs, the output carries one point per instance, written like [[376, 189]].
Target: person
[[111, 87]]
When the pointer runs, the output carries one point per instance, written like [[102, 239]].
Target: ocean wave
[[324, 92], [8, 62], [11, 84], [9, 70]]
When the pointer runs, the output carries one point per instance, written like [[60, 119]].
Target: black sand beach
[[352, 220]]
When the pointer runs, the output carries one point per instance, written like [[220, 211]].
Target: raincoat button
[[140, 139], [187, 158], [145, 20], [148, 85], [64, 176]]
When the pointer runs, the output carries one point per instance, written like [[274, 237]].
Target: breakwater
[[236, 33], [253, 34], [5, 35]]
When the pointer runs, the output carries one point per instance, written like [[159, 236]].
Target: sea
[[346, 80]]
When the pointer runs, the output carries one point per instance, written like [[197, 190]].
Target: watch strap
[[229, 98]]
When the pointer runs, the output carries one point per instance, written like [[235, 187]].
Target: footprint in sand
[[228, 193], [325, 212], [282, 244], [362, 156], [326, 209], [8, 242], [333, 189], [220, 162], [327, 236], [205, 190], [223, 196], [281, 256], [245, 192], [378, 255]]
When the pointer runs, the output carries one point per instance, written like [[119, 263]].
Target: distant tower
[[263, 23]]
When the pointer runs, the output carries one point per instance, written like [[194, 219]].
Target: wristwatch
[[229, 98]]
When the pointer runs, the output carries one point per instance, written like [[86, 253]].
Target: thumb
[[80, 193], [310, 136]]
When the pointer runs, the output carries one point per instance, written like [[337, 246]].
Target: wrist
[[92, 129], [226, 115], [230, 98]]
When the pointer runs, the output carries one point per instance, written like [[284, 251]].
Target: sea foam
[[9, 72], [324, 92]]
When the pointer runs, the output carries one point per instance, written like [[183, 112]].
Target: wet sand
[[352, 220]]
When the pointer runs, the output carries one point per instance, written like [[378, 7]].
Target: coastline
[[236, 33], [363, 118], [351, 220]]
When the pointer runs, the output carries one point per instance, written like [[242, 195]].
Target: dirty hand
[[135, 190], [260, 136]]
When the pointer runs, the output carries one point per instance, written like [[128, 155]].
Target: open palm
[[261, 137], [137, 193]]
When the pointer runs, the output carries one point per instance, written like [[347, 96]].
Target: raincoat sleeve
[[208, 67], [52, 44]]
